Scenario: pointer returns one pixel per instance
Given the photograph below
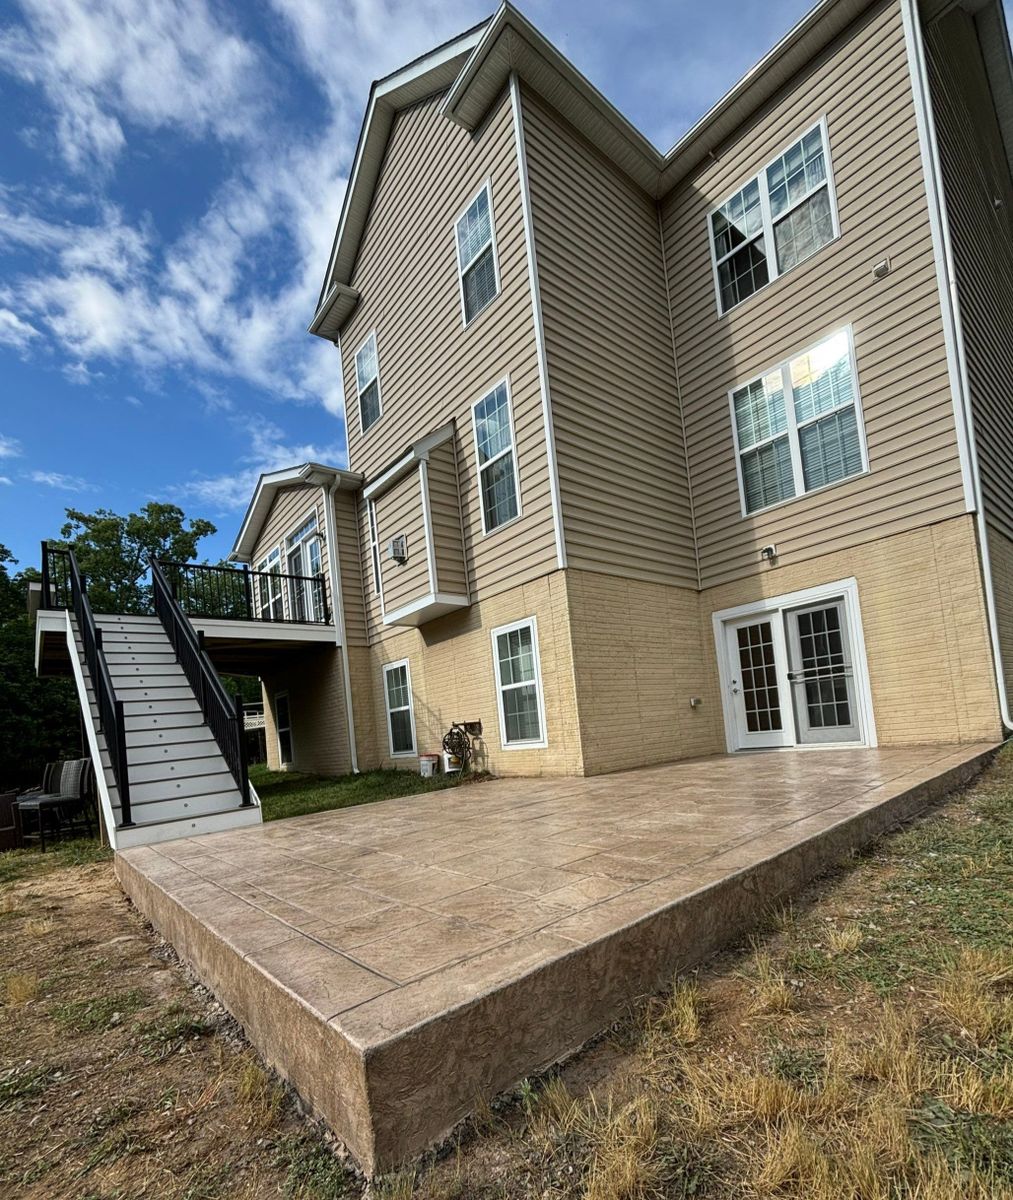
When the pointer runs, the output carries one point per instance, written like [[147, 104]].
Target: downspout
[[338, 605], [950, 304]]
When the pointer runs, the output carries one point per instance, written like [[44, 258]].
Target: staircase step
[[131, 693], [184, 736], [123, 639], [110, 620], [208, 782], [149, 722], [160, 708], [144, 674], [144, 833], [142, 756]]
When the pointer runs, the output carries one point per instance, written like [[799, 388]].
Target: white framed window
[[798, 427], [397, 692], [492, 420], [776, 220], [269, 591], [519, 685], [283, 727], [477, 269], [304, 560], [367, 382]]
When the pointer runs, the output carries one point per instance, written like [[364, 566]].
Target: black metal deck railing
[[223, 716], [239, 594], [63, 586]]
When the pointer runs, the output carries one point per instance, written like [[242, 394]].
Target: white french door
[[793, 671], [758, 682]]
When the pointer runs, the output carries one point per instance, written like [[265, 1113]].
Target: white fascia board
[[384, 99], [416, 452], [264, 493]]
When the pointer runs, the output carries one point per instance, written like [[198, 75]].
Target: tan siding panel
[[615, 410], [399, 513], [346, 530], [432, 369], [863, 88], [979, 203]]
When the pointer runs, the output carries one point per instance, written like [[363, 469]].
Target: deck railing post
[[47, 600], [248, 590]]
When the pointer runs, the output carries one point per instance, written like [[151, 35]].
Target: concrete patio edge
[[391, 1087]]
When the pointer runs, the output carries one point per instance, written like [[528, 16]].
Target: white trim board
[[845, 588]]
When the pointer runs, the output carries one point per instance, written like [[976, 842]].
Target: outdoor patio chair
[[66, 807]]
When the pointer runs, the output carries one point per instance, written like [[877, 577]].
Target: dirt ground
[[859, 1048]]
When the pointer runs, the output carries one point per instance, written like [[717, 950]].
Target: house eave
[[267, 488]]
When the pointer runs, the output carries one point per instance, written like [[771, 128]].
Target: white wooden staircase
[[147, 726]]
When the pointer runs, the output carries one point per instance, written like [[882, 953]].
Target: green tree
[[113, 550], [39, 718]]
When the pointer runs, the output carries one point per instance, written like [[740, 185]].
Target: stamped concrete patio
[[398, 961]]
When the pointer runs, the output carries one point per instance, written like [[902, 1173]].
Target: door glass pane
[[825, 665], [759, 677]]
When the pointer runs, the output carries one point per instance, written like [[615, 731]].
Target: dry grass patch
[[844, 939], [20, 987], [771, 991], [975, 994], [259, 1098]]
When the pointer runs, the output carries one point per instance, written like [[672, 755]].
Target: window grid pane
[[365, 363], [401, 739], [767, 476], [492, 424], [804, 231], [369, 404], [831, 449], [398, 695], [474, 229], [499, 492], [760, 410], [479, 281], [821, 379], [516, 656], [800, 169], [738, 220], [744, 273], [520, 711]]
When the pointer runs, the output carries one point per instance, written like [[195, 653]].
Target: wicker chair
[[66, 806]]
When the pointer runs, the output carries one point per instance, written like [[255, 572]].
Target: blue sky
[[170, 177]]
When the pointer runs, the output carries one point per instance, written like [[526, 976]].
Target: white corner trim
[[338, 617], [536, 313], [427, 521], [848, 588], [949, 301]]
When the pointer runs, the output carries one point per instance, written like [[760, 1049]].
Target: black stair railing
[[221, 714], [63, 586]]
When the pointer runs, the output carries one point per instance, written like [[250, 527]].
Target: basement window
[[397, 687], [519, 685]]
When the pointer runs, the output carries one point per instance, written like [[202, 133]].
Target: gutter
[[950, 304], [337, 603]]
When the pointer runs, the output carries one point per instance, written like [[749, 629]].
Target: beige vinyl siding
[[399, 513], [346, 532], [619, 446], [863, 87], [445, 509], [979, 205], [432, 369], [292, 506]]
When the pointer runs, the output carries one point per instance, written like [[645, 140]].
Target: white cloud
[[63, 483], [269, 450], [9, 447], [104, 64], [134, 402], [6, 481], [14, 331]]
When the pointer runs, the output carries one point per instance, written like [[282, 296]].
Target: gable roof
[[474, 68], [268, 486]]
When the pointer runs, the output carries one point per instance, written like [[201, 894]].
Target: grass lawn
[[859, 1047], [292, 793]]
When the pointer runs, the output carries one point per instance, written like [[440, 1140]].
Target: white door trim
[[848, 589]]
